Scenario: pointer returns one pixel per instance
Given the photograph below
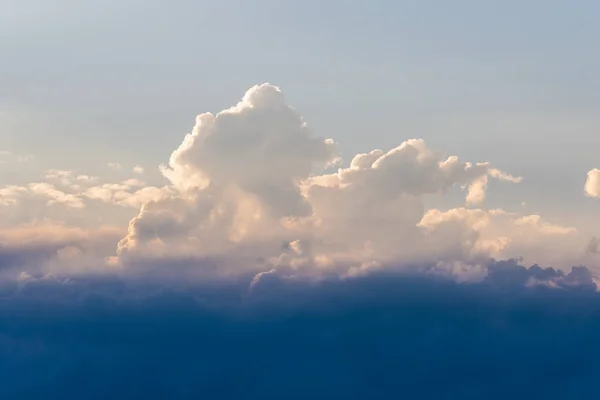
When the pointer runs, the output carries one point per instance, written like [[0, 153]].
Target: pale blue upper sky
[[516, 83]]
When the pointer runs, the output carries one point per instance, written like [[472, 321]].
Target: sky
[[225, 146]]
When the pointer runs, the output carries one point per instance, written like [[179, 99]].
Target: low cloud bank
[[380, 336]]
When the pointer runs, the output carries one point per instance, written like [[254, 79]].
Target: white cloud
[[249, 190], [138, 169], [69, 180], [13, 195], [592, 183], [115, 165], [132, 193], [260, 146], [55, 195], [542, 226], [10, 194], [69, 189], [502, 235]]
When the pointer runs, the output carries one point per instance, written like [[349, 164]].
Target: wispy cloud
[[115, 166]]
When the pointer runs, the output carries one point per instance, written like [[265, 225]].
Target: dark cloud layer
[[376, 337]]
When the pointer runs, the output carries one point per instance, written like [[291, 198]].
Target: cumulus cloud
[[253, 188], [138, 169], [592, 183], [115, 165], [260, 146]]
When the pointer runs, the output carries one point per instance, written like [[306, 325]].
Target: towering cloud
[[261, 146], [255, 190]]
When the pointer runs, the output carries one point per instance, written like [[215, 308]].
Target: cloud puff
[[12, 194], [55, 195], [130, 192], [261, 146], [592, 183], [69, 179], [9, 194], [138, 169]]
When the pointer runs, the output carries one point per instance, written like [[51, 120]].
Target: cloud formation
[[592, 183], [77, 191], [255, 189]]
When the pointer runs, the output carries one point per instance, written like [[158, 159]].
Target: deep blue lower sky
[[379, 337]]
